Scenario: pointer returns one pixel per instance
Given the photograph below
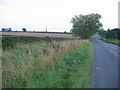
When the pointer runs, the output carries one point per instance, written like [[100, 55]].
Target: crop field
[[38, 34], [35, 62]]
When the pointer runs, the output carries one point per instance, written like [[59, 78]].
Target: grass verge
[[72, 71], [113, 41]]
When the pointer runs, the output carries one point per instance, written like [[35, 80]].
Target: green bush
[[8, 42], [11, 41]]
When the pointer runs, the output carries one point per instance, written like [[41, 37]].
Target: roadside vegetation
[[85, 26], [10, 42], [111, 36], [29, 62], [113, 41], [56, 64]]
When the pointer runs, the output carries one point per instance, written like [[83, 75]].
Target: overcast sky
[[55, 15]]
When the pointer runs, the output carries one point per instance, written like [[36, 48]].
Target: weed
[[38, 65]]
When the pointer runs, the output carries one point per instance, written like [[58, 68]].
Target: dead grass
[[20, 63]]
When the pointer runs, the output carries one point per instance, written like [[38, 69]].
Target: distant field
[[38, 34], [37, 61]]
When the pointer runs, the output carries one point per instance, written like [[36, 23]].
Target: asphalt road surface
[[105, 69]]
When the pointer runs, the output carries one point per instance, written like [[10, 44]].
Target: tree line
[[10, 29], [110, 34], [86, 26]]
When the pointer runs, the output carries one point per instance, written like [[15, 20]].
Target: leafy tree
[[65, 32], [6, 29], [3, 29], [24, 29], [113, 33], [85, 26], [102, 33], [9, 29]]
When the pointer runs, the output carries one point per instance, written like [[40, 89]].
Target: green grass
[[75, 71], [113, 41], [80, 66], [72, 71]]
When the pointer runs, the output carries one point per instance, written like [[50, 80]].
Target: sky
[[54, 15]]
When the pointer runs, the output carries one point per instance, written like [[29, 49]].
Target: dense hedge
[[114, 34], [11, 41], [111, 34]]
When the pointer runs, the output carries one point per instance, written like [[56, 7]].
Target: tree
[[65, 32], [6, 29], [102, 33], [85, 26], [9, 29], [113, 33], [3, 30], [24, 29]]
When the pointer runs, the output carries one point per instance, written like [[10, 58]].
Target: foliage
[[102, 33], [12, 41], [113, 41], [6, 29], [28, 67], [110, 34], [85, 26], [24, 29], [8, 42], [113, 34]]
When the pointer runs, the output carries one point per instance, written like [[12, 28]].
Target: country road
[[105, 69]]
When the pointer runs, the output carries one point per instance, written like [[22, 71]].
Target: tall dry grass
[[20, 63]]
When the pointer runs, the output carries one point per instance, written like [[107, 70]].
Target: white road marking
[[97, 68]]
